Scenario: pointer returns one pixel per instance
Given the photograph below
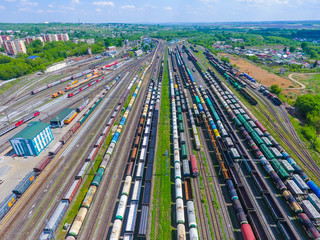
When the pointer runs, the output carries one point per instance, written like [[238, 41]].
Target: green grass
[[161, 212], [8, 85], [312, 84]]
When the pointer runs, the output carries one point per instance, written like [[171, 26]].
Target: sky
[[157, 11]]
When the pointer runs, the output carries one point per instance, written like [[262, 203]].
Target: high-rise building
[[14, 47], [3, 38]]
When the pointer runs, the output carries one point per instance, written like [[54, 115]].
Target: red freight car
[[247, 232], [42, 164], [72, 190], [194, 165]]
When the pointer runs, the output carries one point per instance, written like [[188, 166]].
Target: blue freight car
[[24, 183]]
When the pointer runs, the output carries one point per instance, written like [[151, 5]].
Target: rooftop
[[32, 130], [61, 116]]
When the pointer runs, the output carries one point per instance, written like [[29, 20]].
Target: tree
[[285, 49], [107, 42], [292, 49], [304, 45], [315, 64], [131, 54], [275, 89], [225, 59], [314, 54], [119, 43], [242, 47]]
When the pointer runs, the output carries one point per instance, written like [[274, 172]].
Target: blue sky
[[154, 11]]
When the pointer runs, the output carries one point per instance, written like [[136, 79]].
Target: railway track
[[97, 224], [302, 153], [43, 212], [279, 113], [203, 218], [203, 224]]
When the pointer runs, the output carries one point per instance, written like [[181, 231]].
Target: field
[[310, 80], [262, 76]]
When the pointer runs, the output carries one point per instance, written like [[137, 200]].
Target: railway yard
[[235, 167]]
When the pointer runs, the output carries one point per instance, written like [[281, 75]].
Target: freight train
[[60, 81], [12, 126], [261, 143]]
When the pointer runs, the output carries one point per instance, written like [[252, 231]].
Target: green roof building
[[58, 121], [31, 140]]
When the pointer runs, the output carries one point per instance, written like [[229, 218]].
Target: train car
[[7, 204], [193, 232], [116, 230], [191, 215], [181, 232], [186, 168], [24, 183], [89, 197], [56, 148], [42, 164], [78, 221], [56, 217], [178, 188], [179, 211], [194, 165], [247, 232], [122, 207], [72, 190], [57, 94]]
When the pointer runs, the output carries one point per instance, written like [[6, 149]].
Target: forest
[[309, 107]]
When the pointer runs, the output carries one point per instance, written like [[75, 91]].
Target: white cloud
[[98, 10], [75, 1], [40, 11], [168, 8], [28, 3], [266, 2], [208, 1], [2, 7], [10, 0], [103, 4], [51, 6], [128, 6]]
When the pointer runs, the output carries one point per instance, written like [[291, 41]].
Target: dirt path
[[292, 79]]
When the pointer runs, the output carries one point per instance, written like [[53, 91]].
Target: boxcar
[[194, 165]]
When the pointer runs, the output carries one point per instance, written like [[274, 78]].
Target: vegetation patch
[[161, 212]]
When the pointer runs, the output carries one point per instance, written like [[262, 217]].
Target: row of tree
[[47, 54], [309, 107]]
